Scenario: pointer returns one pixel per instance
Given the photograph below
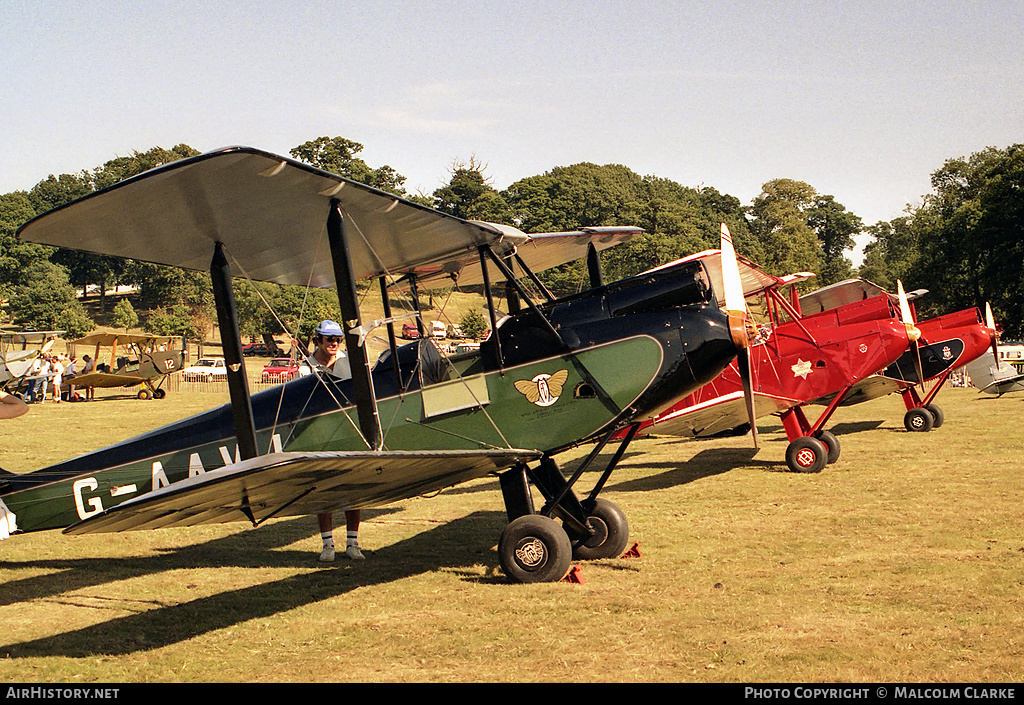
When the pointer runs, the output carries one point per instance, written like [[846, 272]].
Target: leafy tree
[[338, 156], [470, 196], [473, 323], [835, 227], [971, 249], [780, 224], [45, 300], [124, 315]]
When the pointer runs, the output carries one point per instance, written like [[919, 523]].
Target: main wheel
[[534, 549], [806, 454], [936, 414], [831, 444], [611, 533], [919, 420], [144, 394]]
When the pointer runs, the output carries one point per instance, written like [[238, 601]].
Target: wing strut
[[523, 295], [484, 250], [392, 343], [238, 382], [594, 267], [362, 381]]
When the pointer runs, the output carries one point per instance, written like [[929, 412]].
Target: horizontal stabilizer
[[298, 484]]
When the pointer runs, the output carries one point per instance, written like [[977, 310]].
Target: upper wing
[[297, 484], [845, 292], [720, 414], [269, 212], [547, 250], [108, 339]]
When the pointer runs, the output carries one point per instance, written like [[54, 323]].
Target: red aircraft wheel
[[919, 420], [806, 454], [534, 549], [611, 533], [831, 444], [936, 414]]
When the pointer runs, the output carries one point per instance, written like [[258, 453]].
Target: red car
[[280, 369]]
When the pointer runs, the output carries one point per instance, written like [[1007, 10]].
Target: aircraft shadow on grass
[[456, 544]]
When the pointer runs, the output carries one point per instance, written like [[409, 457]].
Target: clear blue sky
[[863, 100]]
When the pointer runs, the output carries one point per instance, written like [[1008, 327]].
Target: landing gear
[[610, 533], [159, 393], [144, 394], [806, 454], [919, 420], [534, 549], [831, 444], [936, 414]]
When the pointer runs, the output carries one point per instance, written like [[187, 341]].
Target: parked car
[[280, 369], [206, 369], [253, 349], [438, 330], [410, 331]]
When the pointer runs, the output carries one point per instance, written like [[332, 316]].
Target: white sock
[[328, 538], [353, 538]]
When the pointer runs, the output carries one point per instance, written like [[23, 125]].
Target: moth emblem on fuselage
[[544, 389]]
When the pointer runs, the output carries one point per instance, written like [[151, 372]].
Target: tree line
[[963, 242]]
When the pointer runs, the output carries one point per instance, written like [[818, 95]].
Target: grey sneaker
[[354, 553], [327, 556]]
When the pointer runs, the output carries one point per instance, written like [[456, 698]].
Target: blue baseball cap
[[329, 328]]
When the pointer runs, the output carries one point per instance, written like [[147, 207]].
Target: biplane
[[17, 358], [946, 343], [144, 361], [794, 359], [555, 371]]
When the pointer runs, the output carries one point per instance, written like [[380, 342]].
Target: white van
[[438, 330]]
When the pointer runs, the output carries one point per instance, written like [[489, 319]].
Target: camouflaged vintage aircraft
[[556, 372], [145, 361]]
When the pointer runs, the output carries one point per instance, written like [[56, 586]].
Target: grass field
[[903, 562]]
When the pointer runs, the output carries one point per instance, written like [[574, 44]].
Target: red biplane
[[947, 343], [794, 358]]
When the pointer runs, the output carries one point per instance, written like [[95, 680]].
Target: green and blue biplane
[[554, 373]]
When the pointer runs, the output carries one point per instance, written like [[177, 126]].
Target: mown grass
[[902, 562]]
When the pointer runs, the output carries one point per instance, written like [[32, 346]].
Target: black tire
[[144, 394], [831, 444], [159, 393], [806, 454], [611, 533], [919, 420], [534, 549], [936, 414]]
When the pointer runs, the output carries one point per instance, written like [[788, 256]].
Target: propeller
[[990, 323], [739, 326], [913, 333]]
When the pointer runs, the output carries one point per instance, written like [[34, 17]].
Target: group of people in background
[[51, 371]]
